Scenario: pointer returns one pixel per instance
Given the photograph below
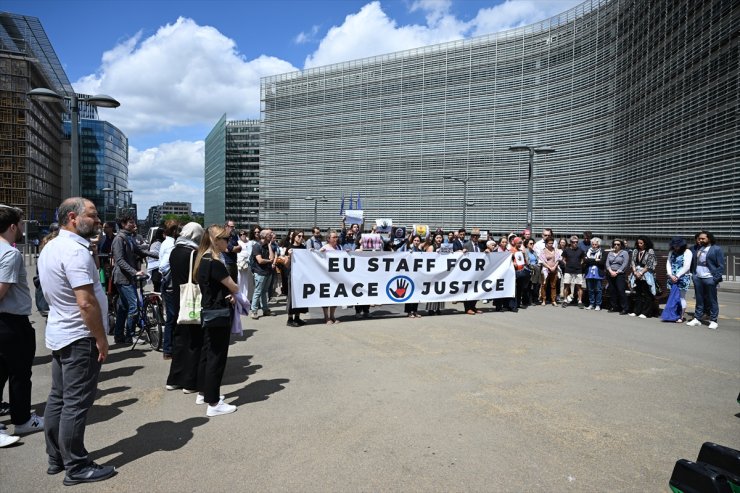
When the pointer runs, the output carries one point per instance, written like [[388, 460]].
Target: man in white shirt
[[75, 333], [540, 245], [17, 336], [171, 232]]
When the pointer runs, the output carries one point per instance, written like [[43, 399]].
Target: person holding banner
[[435, 308], [411, 309], [471, 246], [294, 314], [332, 245]]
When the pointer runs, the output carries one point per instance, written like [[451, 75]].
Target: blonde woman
[[217, 290]]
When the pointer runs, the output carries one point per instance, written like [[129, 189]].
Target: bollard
[[723, 459], [692, 477]]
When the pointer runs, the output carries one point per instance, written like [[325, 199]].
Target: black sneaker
[[90, 474], [300, 323], [291, 323], [54, 469]]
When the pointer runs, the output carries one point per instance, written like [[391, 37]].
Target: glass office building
[[232, 155], [31, 148], [638, 99], [103, 163]]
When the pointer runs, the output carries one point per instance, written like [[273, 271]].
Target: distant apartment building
[[158, 212], [232, 172]]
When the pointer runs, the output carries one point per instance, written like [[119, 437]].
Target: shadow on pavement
[[150, 437], [246, 334], [257, 391], [112, 390], [126, 371], [98, 414], [115, 357], [238, 369]]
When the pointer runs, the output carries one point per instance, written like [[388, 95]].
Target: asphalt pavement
[[547, 399]]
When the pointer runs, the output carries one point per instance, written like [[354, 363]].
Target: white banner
[[379, 278]]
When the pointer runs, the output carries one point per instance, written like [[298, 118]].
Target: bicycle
[[149, 315]]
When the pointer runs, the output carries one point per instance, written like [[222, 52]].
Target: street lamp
[[48, 96], [464, 181], [530, 180], [316, 200]]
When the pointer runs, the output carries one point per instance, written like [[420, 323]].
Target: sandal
[[680, 320], [334, 321]]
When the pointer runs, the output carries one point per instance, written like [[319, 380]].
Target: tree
[[182, 219]]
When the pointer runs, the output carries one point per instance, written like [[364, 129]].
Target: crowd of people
[[246, 269]]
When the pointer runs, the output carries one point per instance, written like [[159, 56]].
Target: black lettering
[[308, 290], [418, 263], [451, 263], [357, 289], [425, 288], [349, 264], [480, 264], [372, 289], [333, 264], [324, 290], [402, 266], [466, 286], [387, 262], [430, 264], [499, 284], [439, 287], [372, 265], [486, 285], [454, 287], [341, 291], [465, 264]]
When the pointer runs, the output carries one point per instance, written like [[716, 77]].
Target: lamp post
[[530, 179], [49, 96], [464, 181], [316, 201]]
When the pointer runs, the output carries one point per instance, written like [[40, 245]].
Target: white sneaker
[[694, 323], [34, 423], [713, 325], [598, 308], [589, 307], [641, 316], [569, 299], [633, 314], [201, 399], [189, 391], [219, 409], [171, 387], [6, 438]]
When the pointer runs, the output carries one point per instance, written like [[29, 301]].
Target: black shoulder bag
[[215, 317]]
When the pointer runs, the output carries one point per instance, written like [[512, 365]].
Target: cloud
[[172, 171], [371, 32], [185, 74], [306, 37]]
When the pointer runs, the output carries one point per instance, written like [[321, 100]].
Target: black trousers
[[187, 345], [17, 350], [618, 293], [643, 298], [522, 288], [469, 305], [213, 362]]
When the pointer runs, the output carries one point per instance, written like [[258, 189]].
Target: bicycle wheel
[[154, 324]]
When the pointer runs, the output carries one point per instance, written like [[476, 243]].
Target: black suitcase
[[692, 477]]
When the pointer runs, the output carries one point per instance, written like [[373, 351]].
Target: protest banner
[[383, 225], [421, 230], [377, 278], [354, 216]]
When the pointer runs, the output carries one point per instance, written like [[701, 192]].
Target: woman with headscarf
[[678, 266], [187, 339]]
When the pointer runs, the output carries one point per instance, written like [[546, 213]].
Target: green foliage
[[182, 219]]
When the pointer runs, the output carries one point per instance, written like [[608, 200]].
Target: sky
[[176, 66]]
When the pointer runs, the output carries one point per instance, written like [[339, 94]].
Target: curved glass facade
[[639, 100], [103, 164]]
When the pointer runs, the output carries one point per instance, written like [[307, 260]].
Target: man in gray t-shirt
[[17, 336]]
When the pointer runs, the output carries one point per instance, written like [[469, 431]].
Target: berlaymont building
[[637, 99]]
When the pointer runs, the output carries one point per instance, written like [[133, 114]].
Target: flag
[[350, 202], [359, 207], [341, 207]]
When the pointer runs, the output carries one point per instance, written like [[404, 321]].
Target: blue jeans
[[170, 320], [74, 381], [705, 290], [126, 310], [261, 287], [594, 291]]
